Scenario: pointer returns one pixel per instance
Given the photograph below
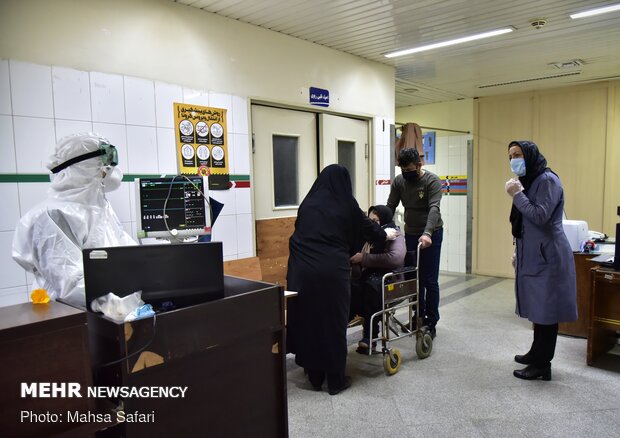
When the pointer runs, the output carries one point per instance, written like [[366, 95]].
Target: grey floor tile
[[466, 387], [595, 424], [445, 429]]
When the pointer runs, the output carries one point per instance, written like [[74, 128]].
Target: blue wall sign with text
[[319, 96]]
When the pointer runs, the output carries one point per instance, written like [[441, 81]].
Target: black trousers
[[334, 380], [543, 346]]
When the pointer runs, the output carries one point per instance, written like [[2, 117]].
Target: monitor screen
[[182, 274], [172, 206]]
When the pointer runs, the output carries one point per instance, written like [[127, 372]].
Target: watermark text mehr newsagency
[[74, 390]]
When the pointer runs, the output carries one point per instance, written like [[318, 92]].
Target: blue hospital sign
[[319, 96]]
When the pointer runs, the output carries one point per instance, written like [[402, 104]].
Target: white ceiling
[[372, 28]]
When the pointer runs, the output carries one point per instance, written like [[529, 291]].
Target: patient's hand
[[357, 258]]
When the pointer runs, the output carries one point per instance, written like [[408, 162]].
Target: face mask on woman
[[112, 179], [518, 166]]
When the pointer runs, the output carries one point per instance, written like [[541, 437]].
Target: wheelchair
[[400, 291]]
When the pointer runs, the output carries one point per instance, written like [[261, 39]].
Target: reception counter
[[227, 353], [583, 266], [604, 313], [213, 369]]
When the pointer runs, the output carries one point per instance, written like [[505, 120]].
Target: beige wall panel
[[498, 122], [576, 129], [612, 163], [571, 135]]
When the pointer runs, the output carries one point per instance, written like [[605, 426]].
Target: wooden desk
[[43, 343], [228, 352], [579, 328], [605, 312]]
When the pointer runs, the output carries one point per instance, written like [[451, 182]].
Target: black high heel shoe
[[524, 359], [532, 372]]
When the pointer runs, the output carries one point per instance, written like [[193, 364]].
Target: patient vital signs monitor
[[174, 206]]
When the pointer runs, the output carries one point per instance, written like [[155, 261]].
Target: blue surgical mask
[[518, 166]]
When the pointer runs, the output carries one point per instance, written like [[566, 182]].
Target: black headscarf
[[386, 220], [535, 164], [386, 216], [333, 181], [327, 213]]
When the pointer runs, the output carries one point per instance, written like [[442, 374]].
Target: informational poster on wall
[[428, 141], [201, 141]]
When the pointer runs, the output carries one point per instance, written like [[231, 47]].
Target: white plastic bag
[[115, 307], [391, 233]]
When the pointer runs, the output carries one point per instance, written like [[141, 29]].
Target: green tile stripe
[[43, 177], [23, 178]]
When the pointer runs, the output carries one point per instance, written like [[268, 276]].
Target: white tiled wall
[[382, 157], [40, 104], [451, 160]]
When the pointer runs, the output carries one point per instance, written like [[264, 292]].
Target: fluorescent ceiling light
[[596, 11], [450, 42]]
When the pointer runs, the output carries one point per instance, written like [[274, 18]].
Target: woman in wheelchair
[[374, 261]]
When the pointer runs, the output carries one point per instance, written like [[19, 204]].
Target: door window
[[346, 157], [285, 181]]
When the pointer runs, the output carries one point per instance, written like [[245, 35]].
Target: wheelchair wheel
[[424, 345], [391, 362]]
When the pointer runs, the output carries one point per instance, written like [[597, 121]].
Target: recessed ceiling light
[[596, 11], [466, 39]]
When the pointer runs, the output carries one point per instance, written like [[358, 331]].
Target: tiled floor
[[465, 388]]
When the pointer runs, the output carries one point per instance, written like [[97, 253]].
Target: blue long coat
[[545, 272]]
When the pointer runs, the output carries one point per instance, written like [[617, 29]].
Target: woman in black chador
[[328, 229]]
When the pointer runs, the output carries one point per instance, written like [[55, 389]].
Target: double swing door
[[290, 147]]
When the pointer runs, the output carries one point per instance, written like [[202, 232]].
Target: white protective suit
[[50, 237]]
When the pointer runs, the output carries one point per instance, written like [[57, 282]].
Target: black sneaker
[[432, 331]]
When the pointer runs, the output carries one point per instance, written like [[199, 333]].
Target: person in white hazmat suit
[[50, 237]]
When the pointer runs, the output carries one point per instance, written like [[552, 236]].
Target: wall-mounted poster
[[428, 141], [202, 146]]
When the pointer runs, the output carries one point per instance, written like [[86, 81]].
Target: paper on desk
[[603, 258]]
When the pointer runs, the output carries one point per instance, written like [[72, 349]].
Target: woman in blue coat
[[544, 266]]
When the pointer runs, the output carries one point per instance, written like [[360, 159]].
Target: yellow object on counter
[[39, 296]]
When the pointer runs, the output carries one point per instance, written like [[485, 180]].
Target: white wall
[[456, 115], [116, 67], [45, 103], [170, 42]]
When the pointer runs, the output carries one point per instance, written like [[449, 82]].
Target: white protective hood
[[76, 215]]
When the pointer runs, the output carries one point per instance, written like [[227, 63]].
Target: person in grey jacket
[[375, 261], [420, 193], [544, 265]]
